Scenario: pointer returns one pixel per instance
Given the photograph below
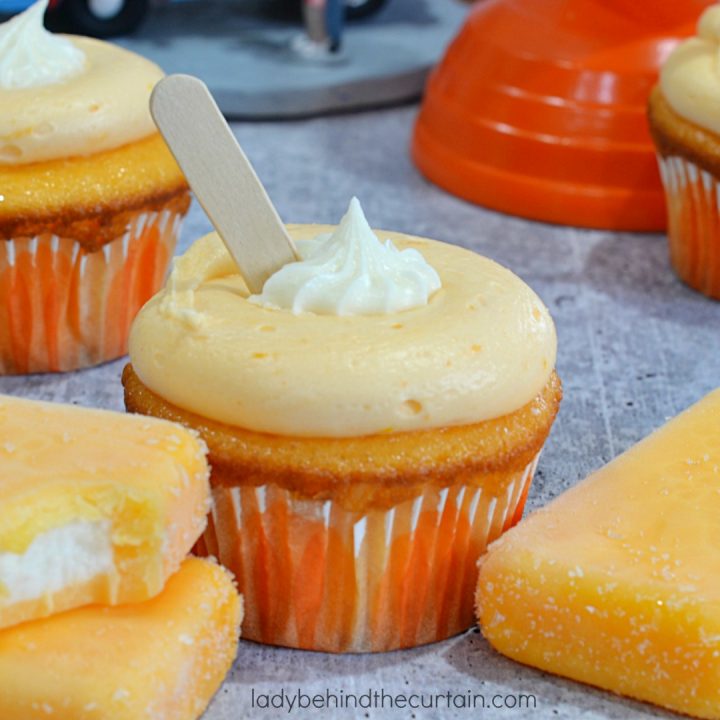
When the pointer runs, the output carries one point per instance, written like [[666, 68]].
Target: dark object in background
[[81, 16], [356, 9]]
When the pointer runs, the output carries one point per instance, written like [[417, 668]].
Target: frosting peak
[[30, 56], [351, 272]]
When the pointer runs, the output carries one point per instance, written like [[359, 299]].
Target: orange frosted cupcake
[[684, 115], [90, 197], [373, 419]]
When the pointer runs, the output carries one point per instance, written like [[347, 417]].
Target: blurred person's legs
[[323, 29], [334, 17]]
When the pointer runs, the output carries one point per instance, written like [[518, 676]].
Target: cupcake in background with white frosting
[[684, 116], [374, 418], [90, 197]]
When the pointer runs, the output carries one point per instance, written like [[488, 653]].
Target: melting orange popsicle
[[163, 658], [95, 506], [617, 582]]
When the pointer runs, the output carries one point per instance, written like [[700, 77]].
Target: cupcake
[[684, 115], [373, 418], [90, 197]]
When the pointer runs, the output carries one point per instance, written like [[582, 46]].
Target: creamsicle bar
[[162, 659], [616, 583], [95, 506]]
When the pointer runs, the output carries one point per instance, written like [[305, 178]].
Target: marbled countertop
[[635, 347]]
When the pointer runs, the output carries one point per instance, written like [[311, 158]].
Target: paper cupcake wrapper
[[693, 200], [317, 576], [63, 308]]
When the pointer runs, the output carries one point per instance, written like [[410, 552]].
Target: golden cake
[[684, 117], [367, 436], [90, 199]]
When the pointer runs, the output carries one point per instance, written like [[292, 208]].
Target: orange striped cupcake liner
[[64, 308], [319, 577], [693, 202]]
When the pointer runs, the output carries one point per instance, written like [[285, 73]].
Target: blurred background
[[277, 58]]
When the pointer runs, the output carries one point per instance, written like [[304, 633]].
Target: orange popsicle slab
[[158, 660], [96, 507], [616, 583]]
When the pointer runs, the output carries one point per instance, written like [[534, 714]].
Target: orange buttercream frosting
[[101, 107], [483, 346]]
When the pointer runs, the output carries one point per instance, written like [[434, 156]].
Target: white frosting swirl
[[351, 272], [30, 56]]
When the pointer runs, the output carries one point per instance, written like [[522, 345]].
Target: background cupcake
[[373, 419], [684, 113], [90, 197]]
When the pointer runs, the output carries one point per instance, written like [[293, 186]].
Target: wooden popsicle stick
[[221, 177]]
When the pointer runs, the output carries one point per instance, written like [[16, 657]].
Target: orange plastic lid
[[538, 109]]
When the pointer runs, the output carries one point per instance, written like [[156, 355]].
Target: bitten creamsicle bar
[[617, 582], [162, 659], [95, 506]]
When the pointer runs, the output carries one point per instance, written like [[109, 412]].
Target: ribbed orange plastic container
[[538, 109]]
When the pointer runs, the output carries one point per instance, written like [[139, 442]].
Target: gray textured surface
[[635, 347], [240, 49]]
